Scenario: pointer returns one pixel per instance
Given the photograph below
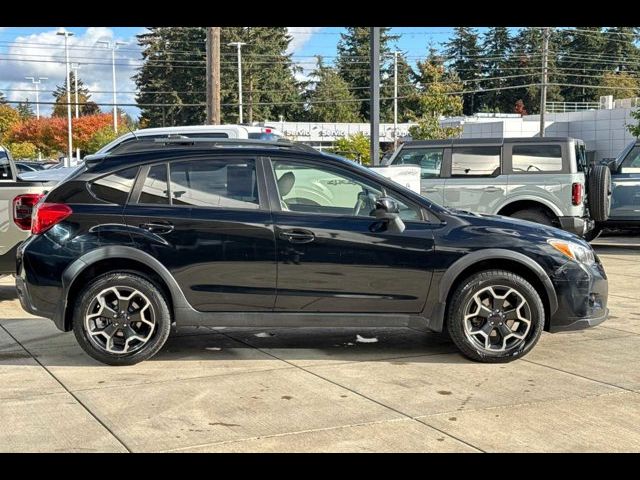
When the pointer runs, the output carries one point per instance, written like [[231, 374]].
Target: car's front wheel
[[121, 318], [495, 316]]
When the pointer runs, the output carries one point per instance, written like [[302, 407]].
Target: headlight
[[573, 250]]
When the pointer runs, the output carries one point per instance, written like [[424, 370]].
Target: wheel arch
[[491, 259], [526, 203], [112, 258]]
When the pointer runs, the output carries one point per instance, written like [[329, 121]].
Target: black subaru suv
[[242, 233]]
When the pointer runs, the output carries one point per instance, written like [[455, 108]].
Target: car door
[[206, 219], [332, 255], [476, 182], [430, 161], [625, 196]]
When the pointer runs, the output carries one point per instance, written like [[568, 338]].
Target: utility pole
[[213, 75], [395, 99], [543, 87], [75, 67], [374, 109], [36, 84], [239, 46], [113, 46], [66, 34]]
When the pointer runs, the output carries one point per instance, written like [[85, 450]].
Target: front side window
[[475, 161], [536, 158], [428, 159], [115, 188], [223, 183], [5, 167], [311, 189], [631, 163]]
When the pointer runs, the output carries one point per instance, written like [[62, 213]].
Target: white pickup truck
[[16, 199]]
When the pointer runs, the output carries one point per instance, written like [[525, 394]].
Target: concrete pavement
[[249, 390]]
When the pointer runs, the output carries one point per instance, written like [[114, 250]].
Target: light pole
[[239, 46], [395, 99], [113, 46], [75, 67], [36, 84], [66, 35]]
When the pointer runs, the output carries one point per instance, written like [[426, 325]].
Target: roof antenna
[[132, 133]]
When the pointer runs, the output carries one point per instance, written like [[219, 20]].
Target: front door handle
[[158, 227], [430, 190], [297, 235]]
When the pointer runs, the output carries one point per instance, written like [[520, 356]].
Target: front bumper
[[582, 293], [579, 226]]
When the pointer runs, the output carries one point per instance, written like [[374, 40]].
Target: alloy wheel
[[120, 320]]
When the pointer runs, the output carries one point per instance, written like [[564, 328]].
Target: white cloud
[[300, 36], [42, 54]]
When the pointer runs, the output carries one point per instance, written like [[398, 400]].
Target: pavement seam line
[[285, 434], [579, 376], [362, 395], [95, 417]]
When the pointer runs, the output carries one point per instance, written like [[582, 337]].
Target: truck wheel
[[495, 316], [533, 215], [599, 192], [121, 319]]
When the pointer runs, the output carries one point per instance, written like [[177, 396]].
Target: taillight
[[46, 215], [22, 209], [576, 193]]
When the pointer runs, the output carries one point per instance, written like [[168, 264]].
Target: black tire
[[599, 192], [126, 280], [592, 234], [534, 215], [462, 298]]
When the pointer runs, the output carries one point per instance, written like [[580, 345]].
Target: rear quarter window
[[536, 158], [114, 188]]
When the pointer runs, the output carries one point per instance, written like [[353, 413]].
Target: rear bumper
[[577, 225], [582, 297]]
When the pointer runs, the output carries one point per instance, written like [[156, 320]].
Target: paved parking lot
[[237, 390]]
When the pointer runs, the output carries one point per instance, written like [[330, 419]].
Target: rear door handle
[[430, 190], [158, 227], [297, 235], [492, 189]]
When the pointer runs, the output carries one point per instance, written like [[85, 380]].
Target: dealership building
[[602, 126]]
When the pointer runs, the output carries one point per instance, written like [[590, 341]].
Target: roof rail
[[143, 143]]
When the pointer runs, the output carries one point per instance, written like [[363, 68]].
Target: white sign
[[406, 175]]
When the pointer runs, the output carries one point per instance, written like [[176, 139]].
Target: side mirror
[[387, 211]]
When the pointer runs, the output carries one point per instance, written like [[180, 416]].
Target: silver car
[[544, 180]]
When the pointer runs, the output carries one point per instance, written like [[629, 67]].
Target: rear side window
[[5, 167], [224, 183], [428, 159], [115, 188], [155, 189], [475, 161], [536, 158]]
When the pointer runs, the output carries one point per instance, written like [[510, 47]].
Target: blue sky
[[39, 52]]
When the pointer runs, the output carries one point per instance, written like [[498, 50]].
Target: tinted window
[[5, 167], [215, 183], [429, 160], [536, 158], [115, 188], [475, 161], [310, 189], [155, 188], [264, 136], [631, 163]]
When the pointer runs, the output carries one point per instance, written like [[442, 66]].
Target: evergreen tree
[[87, 106], [353, 63], [25, 110], [620, 50], [496, 47], [464, 55], [582, 60], [330, 100]]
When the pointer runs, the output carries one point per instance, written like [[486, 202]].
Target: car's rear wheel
[[534, 215], [121, 318], [495, 316]]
